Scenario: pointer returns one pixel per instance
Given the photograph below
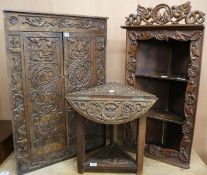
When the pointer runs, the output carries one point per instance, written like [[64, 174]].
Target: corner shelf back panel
[[164, 58]]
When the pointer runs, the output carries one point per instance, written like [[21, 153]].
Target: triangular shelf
[[111, 158]]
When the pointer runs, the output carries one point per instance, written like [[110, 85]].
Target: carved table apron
[[111, 103]]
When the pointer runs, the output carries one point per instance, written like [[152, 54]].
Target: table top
[[111, 103]]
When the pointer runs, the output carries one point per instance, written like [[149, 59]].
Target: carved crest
[[163, 14]]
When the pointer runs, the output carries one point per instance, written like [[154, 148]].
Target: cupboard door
[[80, 72], [43, 98]]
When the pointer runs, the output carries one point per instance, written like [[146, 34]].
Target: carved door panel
[[44, 92], [83, 62]]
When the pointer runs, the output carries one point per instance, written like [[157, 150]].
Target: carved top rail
[[23, 21], [111, 103], [164, 14]]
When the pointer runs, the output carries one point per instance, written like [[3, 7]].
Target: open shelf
[[165, 116], [171, 97], [111, 157], [161, 69], [165, 134], [162, 77], [163, 59]]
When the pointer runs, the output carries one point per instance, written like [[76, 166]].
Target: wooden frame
[[158, 30], [194, 34]]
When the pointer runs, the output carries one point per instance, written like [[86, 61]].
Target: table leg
[[111, 134], [80, 133], [141, 130]]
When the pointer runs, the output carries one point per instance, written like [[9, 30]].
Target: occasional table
[[111, 103]]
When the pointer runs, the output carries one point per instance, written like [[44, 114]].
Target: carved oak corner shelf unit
[[165, 59], [48, 56]]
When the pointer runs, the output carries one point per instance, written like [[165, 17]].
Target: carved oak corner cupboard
[[48, 56], [165, 59]]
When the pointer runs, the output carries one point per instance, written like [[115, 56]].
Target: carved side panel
[[44, 84], [15, 70], [100, 60], [80, 56], [182, 156]]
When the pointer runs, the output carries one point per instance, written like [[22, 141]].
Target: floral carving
[[187, 127], [13, 20], [45, 75], [193, 71], [128, 109], [14, 41], [18, 105], [163, 14], [59, 22], [116, 111], [162, 35], [100, 60], [195, 37], [78, 63]]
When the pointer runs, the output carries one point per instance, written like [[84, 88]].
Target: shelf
[[111, 157], [165, 116], [162, 77]]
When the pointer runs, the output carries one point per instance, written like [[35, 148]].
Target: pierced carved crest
[[164, 14]]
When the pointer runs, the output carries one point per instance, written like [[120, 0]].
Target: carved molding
[[163, 14], [195, 38], [54, 22], [111, 112], [111, 103], [100, 65]]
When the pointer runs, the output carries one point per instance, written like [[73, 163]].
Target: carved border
[[191, 96], [35, 21], [100, 64], [163, 14]]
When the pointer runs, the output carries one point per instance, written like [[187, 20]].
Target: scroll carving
[[78, 63], [116, 112], [193, 71], [92, 103], [100, 60], [42, 21], [163, 14], [18, 105], [43, 64]]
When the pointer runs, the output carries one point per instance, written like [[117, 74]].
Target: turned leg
[[141, 130], [80, 133]]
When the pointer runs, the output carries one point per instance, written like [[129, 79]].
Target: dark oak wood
[[111, 104], [141, 123], [165, 60], [50, 55], [80, 132]]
